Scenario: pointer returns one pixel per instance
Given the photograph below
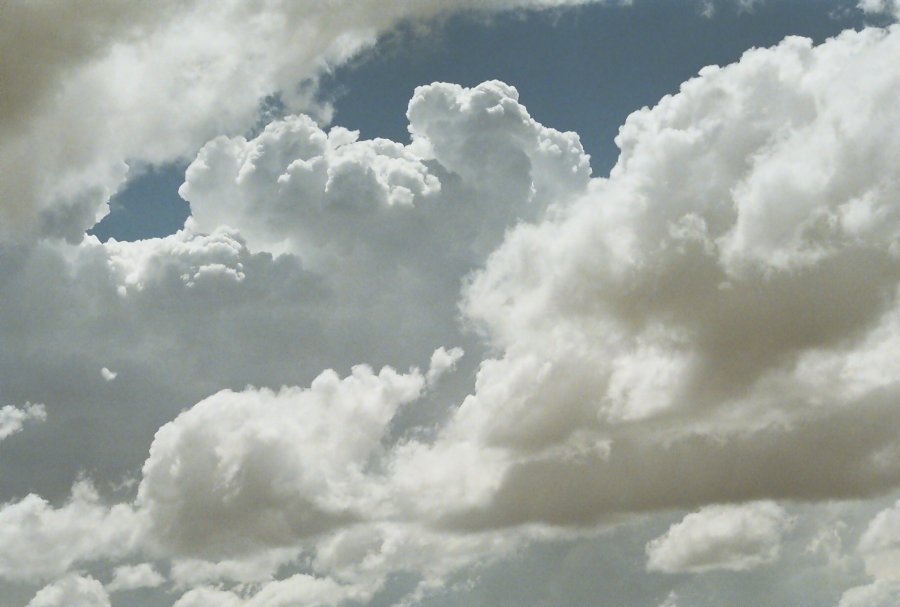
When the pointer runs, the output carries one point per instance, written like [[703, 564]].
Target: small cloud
[[442, 361], [734, 538], [132, 577], [107, 374], [13, 418]]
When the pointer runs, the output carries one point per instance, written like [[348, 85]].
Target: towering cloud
[[717, 321]]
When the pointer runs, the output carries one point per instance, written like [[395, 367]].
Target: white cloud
[[72, 591], [256, 469], [726, 298], [12, 419], [880, 548], [442, 361], [297, 188], [103, 87], [734, 538], [38, 541], [882, 593], [880, 6], [181, 317], [132, 577]]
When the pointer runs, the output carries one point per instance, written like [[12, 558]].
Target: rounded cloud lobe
[[734, 538]]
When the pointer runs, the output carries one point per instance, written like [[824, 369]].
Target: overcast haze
[[532, 303]]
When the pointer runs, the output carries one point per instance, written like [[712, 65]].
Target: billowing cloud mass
[[714, 327], [39, 542], [68, 124], [262, 468], [12, 419], [297, 188], [735, 538], [717, 321]]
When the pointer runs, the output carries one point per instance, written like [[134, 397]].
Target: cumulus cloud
[[39, 541], [880, 6], [298, 188], [716, 321], [68, 124], [700, 325], [181, 317], [13, 419], [299, 589], [132, 577], [881, 543], [882, 593], [256, 469], [734, 538], [72, 591]]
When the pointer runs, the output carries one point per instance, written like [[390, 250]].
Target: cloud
[[880, 6], [132, 577], [299, 589], [104, 87], [72, 591], [735, 538], [880, 548], [697, 327], [12, 419], [690, 331], [258, 469], [181, 317], [300, 189], [38, 541], [881, 593]]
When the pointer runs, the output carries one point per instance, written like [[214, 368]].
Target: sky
[[533, 303]]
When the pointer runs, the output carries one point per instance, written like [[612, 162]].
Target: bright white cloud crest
[[735, 538]]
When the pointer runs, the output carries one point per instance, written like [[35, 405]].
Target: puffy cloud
[[132, 577], [72, 591], [716, 321], [105, 86], [880, 6], [180, 317], [735, 538], [298, 589], [257, 469], [880, 545], [882, 593], [297, 188], [38, 541], [12, 419]]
